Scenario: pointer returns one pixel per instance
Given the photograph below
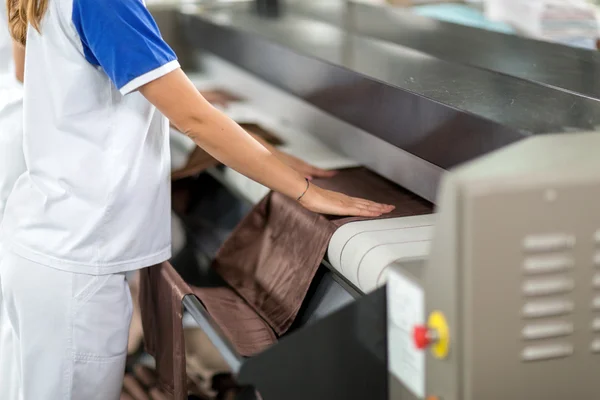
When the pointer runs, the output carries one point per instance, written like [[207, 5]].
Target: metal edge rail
[[195, 308], [343, 281]]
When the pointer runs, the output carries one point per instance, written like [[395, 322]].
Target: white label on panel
[[406, 309]]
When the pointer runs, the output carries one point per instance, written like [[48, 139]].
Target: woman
[[11, 166], [11, 103], [94, 201]]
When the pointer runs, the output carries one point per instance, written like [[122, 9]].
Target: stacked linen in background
[[462, 14], [573, 22]]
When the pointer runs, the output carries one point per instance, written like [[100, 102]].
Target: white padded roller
[[362, 251]]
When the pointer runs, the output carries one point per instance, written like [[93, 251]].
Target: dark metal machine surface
[[442, 112], [571, 69], [343, 356]]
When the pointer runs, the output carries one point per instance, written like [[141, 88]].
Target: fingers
[[333, 203], [362, 212], [311, 173], [134, 389], [366, 208], [304, 168], [145, 375], [370, 205], [216, 97], [157, 394], [321, 173]]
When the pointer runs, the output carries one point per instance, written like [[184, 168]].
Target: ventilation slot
[[595, 345], [548, 242], [548, 307], [547, 330], [547, 352], [547, 264]]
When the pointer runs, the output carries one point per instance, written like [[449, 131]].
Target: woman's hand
[[333, 203], [302, 167]]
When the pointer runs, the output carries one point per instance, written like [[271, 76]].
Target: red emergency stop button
[[422, 337]]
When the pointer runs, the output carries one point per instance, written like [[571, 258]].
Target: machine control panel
[[406, 310]]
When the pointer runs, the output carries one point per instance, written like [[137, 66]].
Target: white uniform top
[[5, 46], [11, 125], [96, 195]]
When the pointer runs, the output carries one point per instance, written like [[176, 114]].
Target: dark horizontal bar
[[342, 356], [441, 112], [569, 68]]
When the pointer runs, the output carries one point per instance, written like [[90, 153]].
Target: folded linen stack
[[571, 22]]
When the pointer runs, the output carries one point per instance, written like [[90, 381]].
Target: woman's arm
[[19, 59], [177, 98], [297, 164]]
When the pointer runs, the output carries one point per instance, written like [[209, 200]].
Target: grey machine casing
[[515, 269]]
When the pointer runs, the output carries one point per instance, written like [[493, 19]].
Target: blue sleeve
[[122, 37]]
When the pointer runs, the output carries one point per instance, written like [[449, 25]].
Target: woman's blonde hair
[[21, 13]]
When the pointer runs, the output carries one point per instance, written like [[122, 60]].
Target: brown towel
[[271, 258], [141, 385], [161, 294], [219, 97], [250, 334], [261, 132]]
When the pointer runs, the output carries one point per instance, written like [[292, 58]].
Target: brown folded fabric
[[261, 132], [141, 385], [271, 258], [145, 375], [125, 396], [250, 334], [198, 162], [219, 97], [134, 388], [161, 294], [157, 394]]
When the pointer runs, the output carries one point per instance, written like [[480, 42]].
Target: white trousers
[[8, 371], [12, 165], [69, 332]]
